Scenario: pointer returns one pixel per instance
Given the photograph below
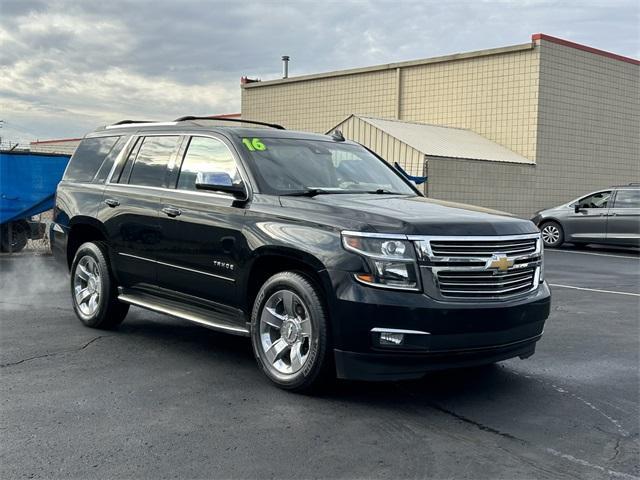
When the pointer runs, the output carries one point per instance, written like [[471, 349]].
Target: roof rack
[[632, 184], [237, 120], [125, 122]]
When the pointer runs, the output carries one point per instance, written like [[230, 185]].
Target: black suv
[[315, 247]]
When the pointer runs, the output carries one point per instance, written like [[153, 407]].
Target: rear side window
[[88, 158], [150, 167], [627, 199]]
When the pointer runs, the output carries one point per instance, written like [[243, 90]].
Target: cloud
[[67, 66]]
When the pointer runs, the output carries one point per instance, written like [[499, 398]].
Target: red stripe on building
[[584, 48], [56, 141]]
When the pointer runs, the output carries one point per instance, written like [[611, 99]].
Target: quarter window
[[627, 199], [206, 155], [596, 200], [88, 158], [150, 167]]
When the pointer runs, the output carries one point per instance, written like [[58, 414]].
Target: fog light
[[387, 338]]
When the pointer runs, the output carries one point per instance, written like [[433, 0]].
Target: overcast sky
[[67, 66]]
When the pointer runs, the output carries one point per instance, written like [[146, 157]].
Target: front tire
[[289, 332], [93, 289], [552, 234]]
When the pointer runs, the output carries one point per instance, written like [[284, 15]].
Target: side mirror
[[220, 182], [576, 208]]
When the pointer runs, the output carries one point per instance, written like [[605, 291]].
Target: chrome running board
[[210, 319]]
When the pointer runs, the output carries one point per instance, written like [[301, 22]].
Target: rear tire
[[18, 240], [93, 289], [289, 332], [552, 234]]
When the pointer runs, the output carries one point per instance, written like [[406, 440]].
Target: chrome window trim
[[126, 149], [181, 133], [222, 277]]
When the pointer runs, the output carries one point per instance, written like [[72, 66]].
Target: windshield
[[286, 166]]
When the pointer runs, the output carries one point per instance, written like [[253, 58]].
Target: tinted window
[[88, 157], [104, 170], [122, 171], [283, 165], [150, 167], [206, 155], [627, 199], [597, 200]]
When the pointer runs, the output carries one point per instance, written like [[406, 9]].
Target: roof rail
[[237, 120], [632, 184], [125, 122]]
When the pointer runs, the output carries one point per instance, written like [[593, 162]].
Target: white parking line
[[594, 290], [546, 250]]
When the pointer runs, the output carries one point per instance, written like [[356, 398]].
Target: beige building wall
[[507, 187], [492, 92], [588, 123], [55, 146], [573, 110], [317, 104]]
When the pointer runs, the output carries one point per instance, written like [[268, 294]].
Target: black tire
[[18, 240], [317, 366], [109, 312], [552, 234]]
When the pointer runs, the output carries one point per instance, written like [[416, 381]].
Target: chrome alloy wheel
[[550, 234], [285, 332], [87, 285]]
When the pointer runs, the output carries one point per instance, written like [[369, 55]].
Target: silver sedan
[[610, 216]]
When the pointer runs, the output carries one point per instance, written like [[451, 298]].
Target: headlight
[[392, 262]]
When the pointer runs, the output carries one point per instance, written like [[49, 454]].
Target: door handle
[[112, 202], [171, 211]]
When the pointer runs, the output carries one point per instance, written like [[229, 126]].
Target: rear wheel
[[13, 238], [552, 234], [289, 332], [93, 288]]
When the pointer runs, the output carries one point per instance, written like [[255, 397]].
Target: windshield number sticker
[[254, 144]]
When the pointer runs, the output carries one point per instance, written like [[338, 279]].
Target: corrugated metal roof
[[438, 141]]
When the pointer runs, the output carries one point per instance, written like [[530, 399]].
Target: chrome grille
[[483, 284], [477, 268], [457, 248]]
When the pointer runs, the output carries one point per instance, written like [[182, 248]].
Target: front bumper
[[459, 334]]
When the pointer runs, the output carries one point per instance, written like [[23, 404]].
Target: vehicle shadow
[[219, 351]]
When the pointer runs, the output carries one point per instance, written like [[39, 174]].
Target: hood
[[412, 215]]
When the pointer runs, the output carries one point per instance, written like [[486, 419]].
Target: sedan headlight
[[392, 261]]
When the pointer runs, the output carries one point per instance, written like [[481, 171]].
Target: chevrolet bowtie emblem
[[499, 262]]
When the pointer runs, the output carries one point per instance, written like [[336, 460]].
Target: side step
[[207, 318]]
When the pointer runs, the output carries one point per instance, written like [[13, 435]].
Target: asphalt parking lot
[[159, 398]]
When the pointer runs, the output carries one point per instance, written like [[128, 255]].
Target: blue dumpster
[[28, 182]]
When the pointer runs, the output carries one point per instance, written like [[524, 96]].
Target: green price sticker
[[254, 144]]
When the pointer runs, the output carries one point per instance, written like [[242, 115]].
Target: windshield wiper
[[382, 191], [309, 192]]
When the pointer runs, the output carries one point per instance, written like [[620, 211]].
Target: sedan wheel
[[552, 235]]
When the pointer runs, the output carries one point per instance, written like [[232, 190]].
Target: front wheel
[[552, 234], [93, 288], [289, 332]]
